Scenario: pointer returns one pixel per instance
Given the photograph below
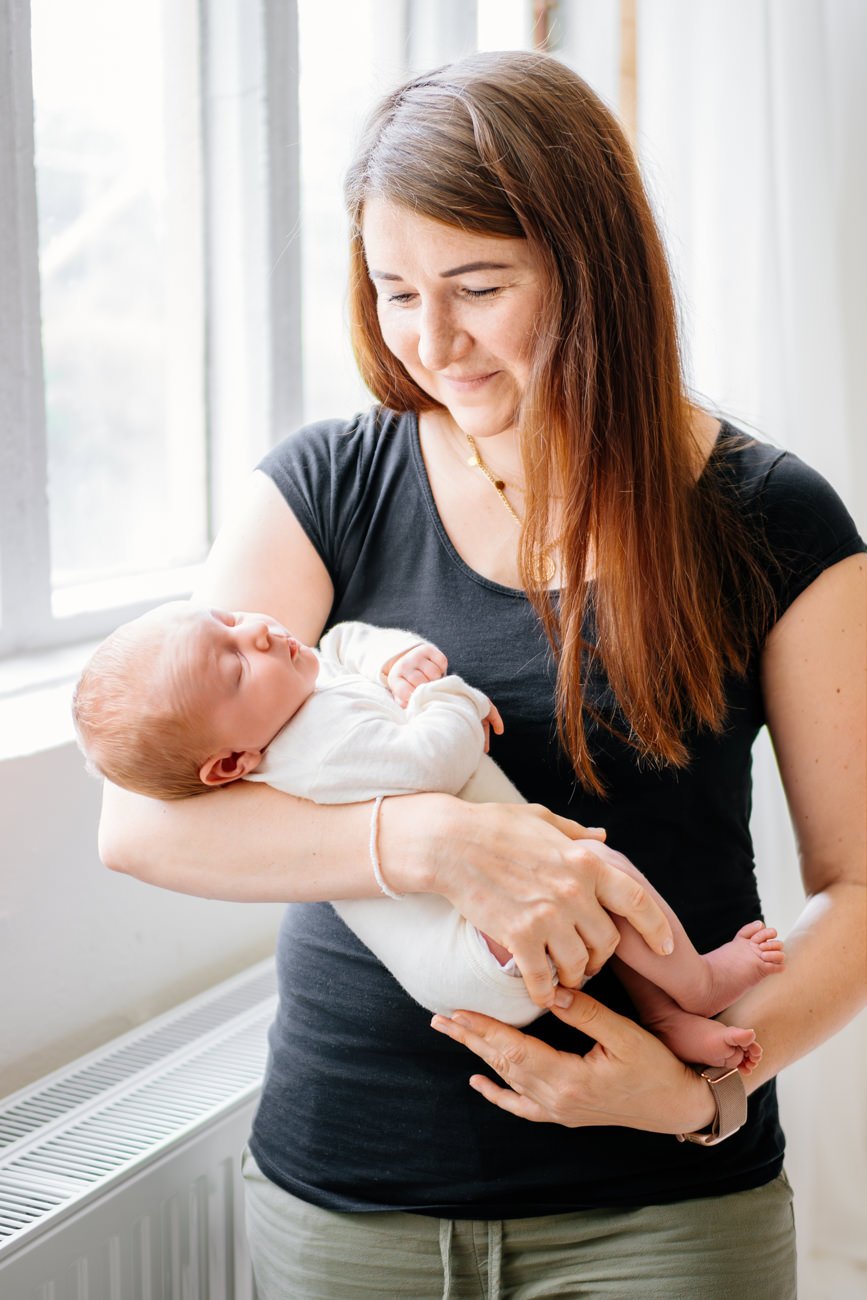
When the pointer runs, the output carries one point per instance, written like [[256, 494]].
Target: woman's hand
[[541, 885], [628, 1079]]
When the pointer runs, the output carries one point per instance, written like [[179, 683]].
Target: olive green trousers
[[719, 1248]]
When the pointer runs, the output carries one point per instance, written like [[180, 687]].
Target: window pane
[[340, 79], [118, 177]]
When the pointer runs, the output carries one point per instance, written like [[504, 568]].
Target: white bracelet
[[374, 853]]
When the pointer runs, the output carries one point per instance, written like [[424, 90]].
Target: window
[[173, 291], [105, 489], [118, 176]]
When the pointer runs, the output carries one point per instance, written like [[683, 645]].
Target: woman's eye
[[400, 298], [481, 293]]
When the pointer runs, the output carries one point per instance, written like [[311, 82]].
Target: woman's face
[[458, 310]]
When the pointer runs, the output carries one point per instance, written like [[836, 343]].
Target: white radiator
[[120, 1175]]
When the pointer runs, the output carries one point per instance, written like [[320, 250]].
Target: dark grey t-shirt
[[364, 1106]]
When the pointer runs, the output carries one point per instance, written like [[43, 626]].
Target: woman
[[512, 311]]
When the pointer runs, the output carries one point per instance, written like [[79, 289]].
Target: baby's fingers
[[431, 669], [495, 720], [405, 682], [439, 662]]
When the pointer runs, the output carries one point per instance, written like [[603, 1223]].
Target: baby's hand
[[423, 663], [495, 722]]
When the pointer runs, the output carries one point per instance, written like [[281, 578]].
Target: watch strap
[[730, 1098]]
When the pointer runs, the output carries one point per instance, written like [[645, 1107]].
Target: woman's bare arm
[[815, 687], [519, 873], [814, 675]]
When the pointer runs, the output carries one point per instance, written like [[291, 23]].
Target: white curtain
[[753, 133]]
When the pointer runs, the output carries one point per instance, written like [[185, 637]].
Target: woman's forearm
[[517, 872], [250, 843], [823, 987]]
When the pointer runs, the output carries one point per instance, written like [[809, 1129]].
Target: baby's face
[[248, 675]]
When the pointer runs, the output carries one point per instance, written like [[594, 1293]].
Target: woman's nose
[[441, 339]]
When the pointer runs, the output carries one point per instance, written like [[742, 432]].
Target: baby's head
[[185, 698]]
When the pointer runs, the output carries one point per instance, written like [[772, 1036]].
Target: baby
[[185, 699]]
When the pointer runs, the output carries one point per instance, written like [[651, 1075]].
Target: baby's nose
[[265, 637], [259, 633]]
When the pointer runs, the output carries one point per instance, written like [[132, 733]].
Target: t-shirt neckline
[[449, 546]]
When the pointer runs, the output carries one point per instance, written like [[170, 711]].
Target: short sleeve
[[339, 477], [319, 471], [807, 527]]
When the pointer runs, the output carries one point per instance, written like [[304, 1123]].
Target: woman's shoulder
[[332, 474], [782, 486], [805, 524], [329, 446]]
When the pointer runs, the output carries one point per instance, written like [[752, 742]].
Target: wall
[[86, 954]]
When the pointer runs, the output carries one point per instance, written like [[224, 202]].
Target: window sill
[[35, 699], [36, 685]]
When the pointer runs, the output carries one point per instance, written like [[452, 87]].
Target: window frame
[[248, 76]]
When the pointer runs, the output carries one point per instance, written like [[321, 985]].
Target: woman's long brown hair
[[517, 145]]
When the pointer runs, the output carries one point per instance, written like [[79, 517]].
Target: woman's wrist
[[410, 829], [699, 1108]]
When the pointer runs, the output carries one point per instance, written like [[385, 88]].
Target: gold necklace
[[544, 562]]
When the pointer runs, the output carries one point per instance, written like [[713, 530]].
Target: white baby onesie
[[352, 741]]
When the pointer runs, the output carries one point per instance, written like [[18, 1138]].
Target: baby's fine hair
[[131, 720]]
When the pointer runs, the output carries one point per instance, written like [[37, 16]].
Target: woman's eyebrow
[[446, 275], [475, 266]]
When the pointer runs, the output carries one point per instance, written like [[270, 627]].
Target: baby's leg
[[693, 1038], [703, 984], [432, 951], [438, 957]]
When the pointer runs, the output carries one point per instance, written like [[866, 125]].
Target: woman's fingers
[[543, 886], [612, 1031], [517, 1056], [620, 893], [545, 934], [504, 1049], [628, 1078], [532, 1070], [538, 977], [600, 938], [513, 1102], [572, 829], [573, 961]]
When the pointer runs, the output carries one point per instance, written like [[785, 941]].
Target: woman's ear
[[228, 766]]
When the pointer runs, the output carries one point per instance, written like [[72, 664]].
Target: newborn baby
[[186, 699]]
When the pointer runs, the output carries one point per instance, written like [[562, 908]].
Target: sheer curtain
[[753, 134]]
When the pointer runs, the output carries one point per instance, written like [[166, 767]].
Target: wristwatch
[[730, 1097]]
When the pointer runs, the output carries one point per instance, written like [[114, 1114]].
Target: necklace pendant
[[544, 567]]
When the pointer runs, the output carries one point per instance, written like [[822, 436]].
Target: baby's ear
[[228, 766]]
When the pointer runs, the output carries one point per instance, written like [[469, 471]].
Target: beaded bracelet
[[374, 852]]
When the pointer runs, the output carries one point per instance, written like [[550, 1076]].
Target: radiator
[[120, 1174]]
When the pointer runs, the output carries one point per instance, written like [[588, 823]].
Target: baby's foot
[[752, 1056], [706, 1042], [752, 954]]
